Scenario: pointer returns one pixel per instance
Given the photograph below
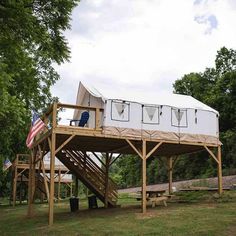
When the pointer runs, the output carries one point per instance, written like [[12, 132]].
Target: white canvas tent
[[173, 117]]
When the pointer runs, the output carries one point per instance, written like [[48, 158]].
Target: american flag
[[7, 163], [37, 126]]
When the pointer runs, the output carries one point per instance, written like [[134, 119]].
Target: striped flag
[[7, 163], [37, 126]]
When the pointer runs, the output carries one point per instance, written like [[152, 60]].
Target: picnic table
[[154, 196]]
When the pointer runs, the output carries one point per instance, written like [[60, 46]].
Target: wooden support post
[[52, 173], [52, 166], [45, 179], [170, 173], [219, 172], [71, 189], [76, 186], [14, 186], [30, 187], [59, 185], [21, 181], [107, 179], [33, 175], [144, 178]]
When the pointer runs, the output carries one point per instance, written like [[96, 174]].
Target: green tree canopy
[[217, 87], [31, 40]]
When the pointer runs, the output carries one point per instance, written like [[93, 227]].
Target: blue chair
[[83, 119]]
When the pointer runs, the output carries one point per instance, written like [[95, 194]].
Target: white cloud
[[143, 44]]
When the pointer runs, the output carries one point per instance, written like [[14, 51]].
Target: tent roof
[[149, 97]]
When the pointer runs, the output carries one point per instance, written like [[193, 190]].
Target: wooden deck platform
[[21, 174], [69, 142]]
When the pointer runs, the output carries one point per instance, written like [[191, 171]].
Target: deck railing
[[51, 118]]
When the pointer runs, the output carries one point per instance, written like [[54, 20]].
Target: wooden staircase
[[40, 186], [90, 174]]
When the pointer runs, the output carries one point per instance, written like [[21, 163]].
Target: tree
[[31, 40], [217, 88]]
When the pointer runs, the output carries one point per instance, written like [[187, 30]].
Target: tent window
[[120, 110], [179, 117], [150, 114]]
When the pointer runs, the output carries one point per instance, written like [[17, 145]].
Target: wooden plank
[[115, 159], [134, 148], [30, 192], [63, 105], [14, 186], [144, 177], [99, 159], [45, 180], [154, 149], [21, 182], [33, 175], [97, 119], [212, 154], [170, 173], [52, 166], [64, 143], [106, 179], [117, 150], [219, 171]]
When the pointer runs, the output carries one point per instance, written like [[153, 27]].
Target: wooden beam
[[170, 173], [45, 180], [117, 150], [106, 179], [212, 154], [76, 186], [99, 159], [52, 166], [134, 148], [115, 159], [49, 143], [63, 105], [71, 189], [20, 173], [175, 161], [30, 183], [97, 119], [14, 186], [33, 176], [219, 171], [64, 143], [154, 149], [144, 178], [21, 181]]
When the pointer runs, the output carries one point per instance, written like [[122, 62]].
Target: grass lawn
[[197, 213]]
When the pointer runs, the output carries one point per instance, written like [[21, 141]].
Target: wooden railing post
[[97, 118]]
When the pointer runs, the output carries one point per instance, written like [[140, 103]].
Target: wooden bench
[[154, 200]]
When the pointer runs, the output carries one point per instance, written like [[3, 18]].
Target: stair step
[[90, 174]]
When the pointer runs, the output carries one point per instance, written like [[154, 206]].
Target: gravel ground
[[228, 181]]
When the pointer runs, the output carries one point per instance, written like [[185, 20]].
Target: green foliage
[[217, 88], [31, 40]]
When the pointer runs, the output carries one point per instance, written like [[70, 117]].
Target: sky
[[134, 46]]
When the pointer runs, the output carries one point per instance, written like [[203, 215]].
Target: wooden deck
[[21, 168], [58, 139]]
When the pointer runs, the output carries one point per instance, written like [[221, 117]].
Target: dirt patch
[[231, 231]]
